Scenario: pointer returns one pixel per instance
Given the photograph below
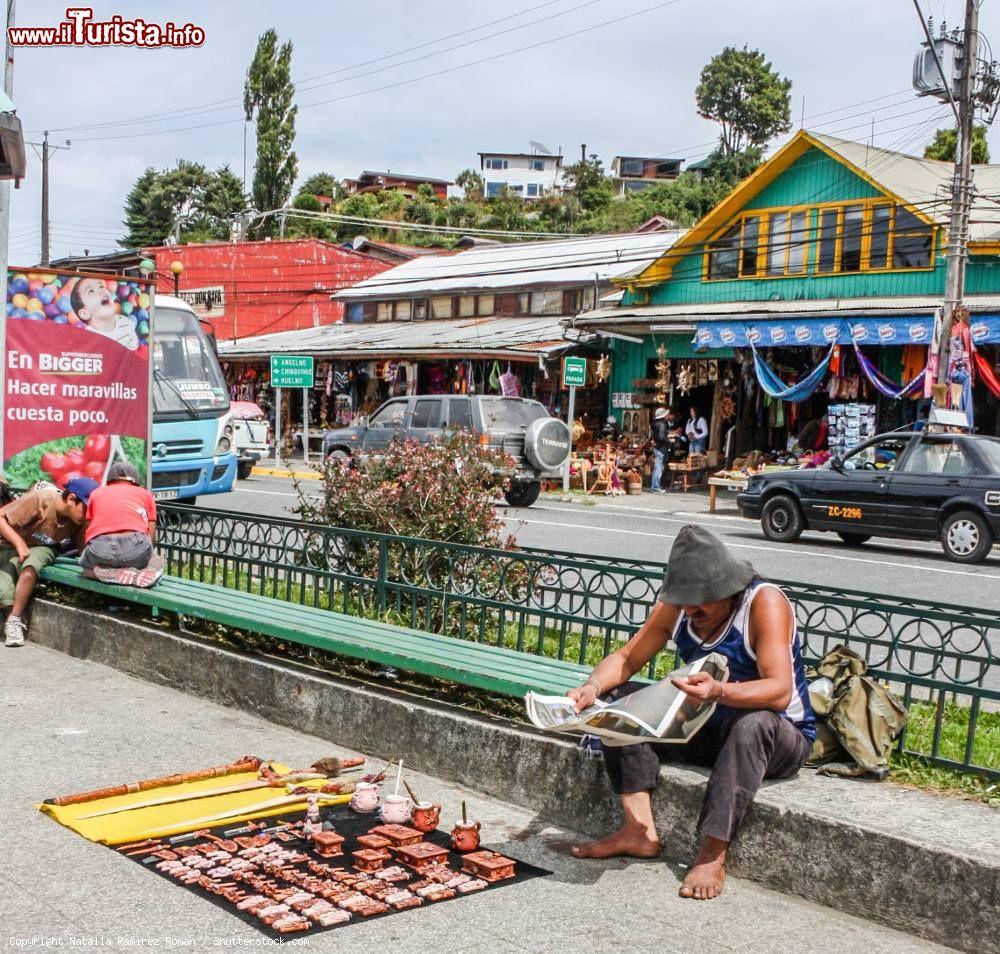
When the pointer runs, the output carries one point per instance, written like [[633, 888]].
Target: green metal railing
[[578, 608]]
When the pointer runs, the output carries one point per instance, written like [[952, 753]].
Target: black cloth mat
[[349, 825]]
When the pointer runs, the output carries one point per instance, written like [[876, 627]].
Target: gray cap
[[122, 470], [702, 570]]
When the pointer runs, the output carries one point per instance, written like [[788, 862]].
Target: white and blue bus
[[192, 448]]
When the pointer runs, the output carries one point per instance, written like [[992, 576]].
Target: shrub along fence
[[942, 659]]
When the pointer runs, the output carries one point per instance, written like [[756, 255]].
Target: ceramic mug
[[425, 816], [465, 837], [395, 810], [365, 798]]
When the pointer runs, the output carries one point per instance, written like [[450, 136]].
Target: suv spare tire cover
[[546, 443]]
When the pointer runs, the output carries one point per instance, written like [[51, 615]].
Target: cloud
[[625, 88]]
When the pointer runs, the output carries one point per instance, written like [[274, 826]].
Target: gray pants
[[752, 745], [118, 549]]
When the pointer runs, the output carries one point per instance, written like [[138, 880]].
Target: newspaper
[[658, 713]]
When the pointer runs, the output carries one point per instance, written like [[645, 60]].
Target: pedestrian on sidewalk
[[763, 724], [661, 450], [34, 528], [121, 522]]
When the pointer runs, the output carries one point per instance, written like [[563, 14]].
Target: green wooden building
[[828, 240]]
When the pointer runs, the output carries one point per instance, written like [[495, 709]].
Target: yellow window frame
[[814, 213]]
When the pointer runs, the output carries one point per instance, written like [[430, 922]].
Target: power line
[[190, 110], [412, 80]]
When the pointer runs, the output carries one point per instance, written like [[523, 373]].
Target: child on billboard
[[94, 305]]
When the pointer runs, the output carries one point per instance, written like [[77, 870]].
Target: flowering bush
[[443, 490]]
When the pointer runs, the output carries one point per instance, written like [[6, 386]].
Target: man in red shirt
[[121, 522]]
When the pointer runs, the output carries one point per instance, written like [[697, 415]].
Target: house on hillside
[[826, 268], [408, 185], [635, 173], [527, 174]]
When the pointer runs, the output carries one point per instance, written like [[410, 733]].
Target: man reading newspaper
[[762, 727]]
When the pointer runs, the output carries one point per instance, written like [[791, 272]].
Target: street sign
[[292, 371], [574, 372]]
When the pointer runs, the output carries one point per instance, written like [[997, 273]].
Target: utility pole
[[961, 191], [46, 148], [8, 88]]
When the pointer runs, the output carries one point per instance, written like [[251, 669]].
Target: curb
[[288, 474], [914, 861]]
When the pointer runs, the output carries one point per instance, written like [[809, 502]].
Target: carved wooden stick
[[249, 763]]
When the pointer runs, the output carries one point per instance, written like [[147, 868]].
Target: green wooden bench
[[504, 671]]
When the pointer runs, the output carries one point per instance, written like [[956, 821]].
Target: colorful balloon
[[20, 300], [143, 300], [65, 304], [126, 308], [142, 314], [45, 295], [36, 315], [34, 305], [52, 310], [142, 328], [19, 283], [60, 319]]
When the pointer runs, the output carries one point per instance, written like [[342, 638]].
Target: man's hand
[[700, 686], [23, 551], [582, 696]]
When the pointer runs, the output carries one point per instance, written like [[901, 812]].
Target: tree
[[322, 183], [588, 183], [471, 183], [187, 201], [742, 92], [945, 144], [306, 225], [268, 95], [144, 225]]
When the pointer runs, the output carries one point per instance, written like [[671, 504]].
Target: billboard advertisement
[[76, 376]]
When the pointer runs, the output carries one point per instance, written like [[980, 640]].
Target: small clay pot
[[365, 798], [465, 837], [425, 816], [395, 810]]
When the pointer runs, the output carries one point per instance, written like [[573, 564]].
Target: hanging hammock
[[986, 373], [774, 387], [885, 385]]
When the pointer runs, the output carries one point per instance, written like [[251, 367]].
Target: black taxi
[[918, 485]]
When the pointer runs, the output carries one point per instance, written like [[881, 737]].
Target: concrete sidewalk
[[73, 725]]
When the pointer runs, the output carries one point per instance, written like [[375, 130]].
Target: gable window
[[826, 240], [912, 241], [537, 165]]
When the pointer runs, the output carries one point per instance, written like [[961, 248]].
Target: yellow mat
[[177, 817]]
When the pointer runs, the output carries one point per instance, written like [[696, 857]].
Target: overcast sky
[[624, 88]]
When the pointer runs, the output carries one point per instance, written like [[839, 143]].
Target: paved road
[[97, 726], [644, 528]]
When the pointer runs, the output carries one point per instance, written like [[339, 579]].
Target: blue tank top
[[735, 646]]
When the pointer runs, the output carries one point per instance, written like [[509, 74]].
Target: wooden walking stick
[[249, 763]]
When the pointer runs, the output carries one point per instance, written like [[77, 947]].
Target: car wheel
[[781, 519], [854, 539], [965, 537], [340, 457], [244, 468], [523, 495]]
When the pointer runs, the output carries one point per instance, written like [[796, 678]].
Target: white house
[[529, 174]]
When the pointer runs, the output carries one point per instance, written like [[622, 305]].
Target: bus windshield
[[187, 379]]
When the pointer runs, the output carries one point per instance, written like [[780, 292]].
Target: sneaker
[[14, 630]]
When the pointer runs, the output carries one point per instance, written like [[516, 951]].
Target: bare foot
[[708, 873], [628, 841]]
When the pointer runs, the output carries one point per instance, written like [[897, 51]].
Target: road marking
[[745, 522], [798, 551]]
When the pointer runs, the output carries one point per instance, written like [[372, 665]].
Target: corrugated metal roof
[[636, 314], [519, 265], [925, 183], [444, 337]]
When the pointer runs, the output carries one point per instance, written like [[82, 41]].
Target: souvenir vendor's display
[[320, 868]]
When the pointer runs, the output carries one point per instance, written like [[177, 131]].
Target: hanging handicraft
[[603, 369], [685, 379]]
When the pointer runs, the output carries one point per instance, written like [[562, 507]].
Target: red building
[[252, 288]]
